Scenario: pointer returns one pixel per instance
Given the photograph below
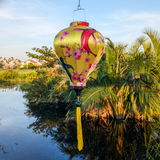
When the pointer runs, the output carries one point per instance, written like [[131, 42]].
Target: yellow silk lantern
[[79, 49]]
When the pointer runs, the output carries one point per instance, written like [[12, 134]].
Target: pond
[[40, 132]]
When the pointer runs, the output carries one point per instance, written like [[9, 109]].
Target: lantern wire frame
[[79, 8]]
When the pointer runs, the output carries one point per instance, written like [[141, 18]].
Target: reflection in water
[[8, 84], [48, 116], [119, 140]]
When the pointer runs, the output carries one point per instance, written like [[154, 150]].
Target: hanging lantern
[[79, 49]]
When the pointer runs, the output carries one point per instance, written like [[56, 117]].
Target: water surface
[[16, 140], [39, 132]]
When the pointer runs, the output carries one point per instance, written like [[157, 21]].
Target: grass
[[17, 75], [19, 71]]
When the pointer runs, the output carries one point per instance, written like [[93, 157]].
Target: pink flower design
[[89, 66], [78, 57], [82, 79], [75, 53], [81, 49], [85, 71], [68, 48], [67, 53], [74, 78], [84, 51], [76, 73], [87, 59], [99, 38], [61, 38], [65, 33], [81, 84], [94, 66], [74, 84]]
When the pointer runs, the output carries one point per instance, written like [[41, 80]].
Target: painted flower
[[81, 84], [87, 59], [68, 48], [89, 66], [81, 49], [74, 84], [84, 51], [99, 38], [82, 78], [65, 33], [85, 71], [78, 57], [76, 73], [75, 53], [61, 38], [94, 66], [74, 78], [67, 53]]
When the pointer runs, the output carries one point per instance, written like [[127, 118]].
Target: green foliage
[[45, 55], [153, 147], [40, 87], [25, 87], [15, 75], [126, 81], [1, 65], [10, 74]]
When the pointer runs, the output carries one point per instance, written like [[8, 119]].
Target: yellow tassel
[[79, 129]]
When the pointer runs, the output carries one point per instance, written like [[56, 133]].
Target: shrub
[[39, 88], [10, 74]]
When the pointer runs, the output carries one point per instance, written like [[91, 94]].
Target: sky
[[25, 24]]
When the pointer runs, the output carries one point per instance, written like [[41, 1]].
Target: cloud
[[129, 16], [7, 15]]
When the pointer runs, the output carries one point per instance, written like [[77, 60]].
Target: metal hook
[[79, 8]]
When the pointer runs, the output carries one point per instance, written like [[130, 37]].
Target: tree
[[44, 55], [129, 83], [1, 65]]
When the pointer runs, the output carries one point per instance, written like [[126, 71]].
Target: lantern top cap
[[79, 23]]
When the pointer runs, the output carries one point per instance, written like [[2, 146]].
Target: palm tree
[[129, 82], [103, 87]]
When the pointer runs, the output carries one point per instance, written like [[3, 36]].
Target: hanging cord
[[79, 8]]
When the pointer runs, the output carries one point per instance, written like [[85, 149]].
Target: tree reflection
[[118, 140], [8, 84], [47, 116]]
